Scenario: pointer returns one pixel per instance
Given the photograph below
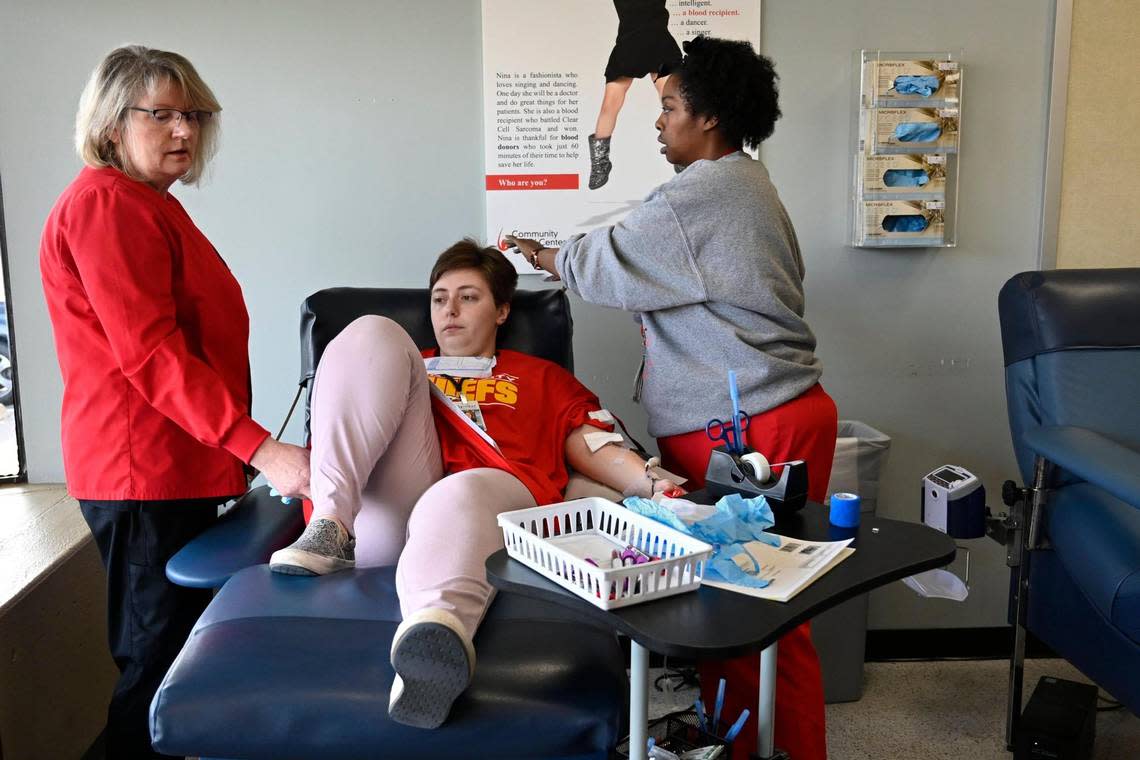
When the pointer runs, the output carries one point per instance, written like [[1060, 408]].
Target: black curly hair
[[731, 81]]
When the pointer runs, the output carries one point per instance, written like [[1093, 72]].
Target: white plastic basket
[[532, 536]]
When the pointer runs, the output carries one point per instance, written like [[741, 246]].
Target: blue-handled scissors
[[732, 433], [729, 432]]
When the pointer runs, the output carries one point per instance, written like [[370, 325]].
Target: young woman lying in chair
[[394, 484]]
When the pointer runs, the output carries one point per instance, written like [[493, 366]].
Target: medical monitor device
[[954, 502]]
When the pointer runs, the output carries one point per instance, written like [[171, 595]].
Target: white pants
[[376, 467]]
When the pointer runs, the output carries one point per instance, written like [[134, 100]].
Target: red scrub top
[[152, 333]]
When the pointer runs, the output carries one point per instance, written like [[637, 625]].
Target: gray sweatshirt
[[711, 265]]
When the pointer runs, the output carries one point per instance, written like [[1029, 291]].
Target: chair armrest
[[1091, 457], [255, 527]]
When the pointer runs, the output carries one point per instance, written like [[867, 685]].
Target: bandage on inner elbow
[[905, 177], [917, 131], [909, 84], [904, 223]]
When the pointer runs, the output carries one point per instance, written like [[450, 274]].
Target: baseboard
[[948, 644]]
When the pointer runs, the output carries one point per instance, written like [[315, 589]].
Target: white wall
[[1100, 190], [351, 155], [889, 321]]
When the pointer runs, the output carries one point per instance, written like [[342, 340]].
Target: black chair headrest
[[539, 323], [1056, 310]]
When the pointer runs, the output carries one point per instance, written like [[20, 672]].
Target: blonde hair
[[124, 75]]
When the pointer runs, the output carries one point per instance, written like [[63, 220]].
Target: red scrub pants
[[803, 428]]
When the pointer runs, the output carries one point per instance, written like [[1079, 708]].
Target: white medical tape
[[760, 467], [600, 438]]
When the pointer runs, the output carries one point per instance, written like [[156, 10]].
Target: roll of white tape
[[759, 465]]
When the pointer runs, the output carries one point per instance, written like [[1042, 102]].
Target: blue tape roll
[[845, 510]]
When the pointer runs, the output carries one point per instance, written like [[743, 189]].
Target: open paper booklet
[[790, 568], [462, 416]]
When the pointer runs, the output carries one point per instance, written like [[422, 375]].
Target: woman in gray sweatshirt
[[711, 266]]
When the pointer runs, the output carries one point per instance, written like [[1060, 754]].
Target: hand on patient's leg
[[285, 466]]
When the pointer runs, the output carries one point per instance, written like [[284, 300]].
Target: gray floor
[[935, 710]]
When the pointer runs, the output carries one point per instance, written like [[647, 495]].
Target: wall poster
[[559, 76]]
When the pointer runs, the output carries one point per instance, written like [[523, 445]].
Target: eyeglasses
[[171, 116]]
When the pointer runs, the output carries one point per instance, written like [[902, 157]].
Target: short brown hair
[[127, 73], [500, 275]]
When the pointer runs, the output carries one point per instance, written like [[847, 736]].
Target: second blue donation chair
[[1071, 340]]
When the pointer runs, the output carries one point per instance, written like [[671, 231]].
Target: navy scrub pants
[[148, 617]]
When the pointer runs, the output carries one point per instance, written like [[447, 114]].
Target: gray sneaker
[[434, 662], [325, 547]]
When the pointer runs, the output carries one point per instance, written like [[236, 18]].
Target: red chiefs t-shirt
[[529, 406]]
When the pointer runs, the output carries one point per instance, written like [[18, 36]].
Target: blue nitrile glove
[[908, 84], [755, 514], [905, 177], [918, 131], [904, 223], [730, 523], [654, 511], [733, 519], [722, 567], [284, 499]]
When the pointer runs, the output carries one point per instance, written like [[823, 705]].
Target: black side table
[[710, 622]]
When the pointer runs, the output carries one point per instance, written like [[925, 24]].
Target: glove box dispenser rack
[[906, 135]]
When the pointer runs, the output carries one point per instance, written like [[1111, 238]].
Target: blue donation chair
[[1071, 340], [297, 667]]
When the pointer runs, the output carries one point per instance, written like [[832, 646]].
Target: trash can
[[840, 634], [860, 453]]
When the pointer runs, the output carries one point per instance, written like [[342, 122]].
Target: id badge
[[473, 412]]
